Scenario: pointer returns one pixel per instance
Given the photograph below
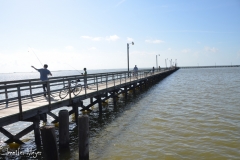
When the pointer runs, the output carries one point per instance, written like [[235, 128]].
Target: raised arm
[[34, 67]]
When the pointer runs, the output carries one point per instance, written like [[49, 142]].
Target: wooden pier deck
[[24, 101]]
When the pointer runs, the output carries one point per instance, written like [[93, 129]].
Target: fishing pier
[[23, 100]]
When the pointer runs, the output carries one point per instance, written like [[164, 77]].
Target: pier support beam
[[134, 88], [140, 84], [83, 134], [36, 129], [99, 105], [91, 100], [64, 128], [75, 109], [125, 92], [49, 142], [114, 99]]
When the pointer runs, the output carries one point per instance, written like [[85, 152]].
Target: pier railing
[[215, 66], [20, 92]]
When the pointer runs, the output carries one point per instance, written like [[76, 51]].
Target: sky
[[73, 34]]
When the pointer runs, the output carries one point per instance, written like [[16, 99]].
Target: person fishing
[[44, 72], [85, 77]]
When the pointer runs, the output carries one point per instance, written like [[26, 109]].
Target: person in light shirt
[[44, 72]]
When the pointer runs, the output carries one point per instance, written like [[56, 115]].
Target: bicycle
[[76, 89]]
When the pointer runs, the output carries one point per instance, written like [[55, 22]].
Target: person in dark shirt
[[85, 77], [44, 72]]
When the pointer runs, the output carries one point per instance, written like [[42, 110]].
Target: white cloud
[[209, 49], [92, 48], [69, 47], [169, 49], [108, 38], [112, 38], [96, 38], [186, 50], [129, 39], [154, 41], [86, 37]]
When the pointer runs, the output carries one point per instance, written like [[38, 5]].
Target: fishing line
[[36, 56], [72, 67]]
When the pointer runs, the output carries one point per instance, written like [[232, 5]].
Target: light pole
[[157, 61], [128, 55], [166, 62]]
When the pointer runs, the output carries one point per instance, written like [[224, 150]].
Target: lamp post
[[157, 61], [128, 55], [166, 63]]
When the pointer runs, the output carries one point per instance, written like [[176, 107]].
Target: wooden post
[[30, 89], [20, 103], [100, 105], [91, 100], [49, 98], [75, 109], [134, 88], [114, 99], [6, 95], [63, 128], [83, 134], [107, 81], [49, 143], [125, 91], [69, 89], [36, 129]]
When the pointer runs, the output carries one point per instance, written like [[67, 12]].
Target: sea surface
[[191, 114]]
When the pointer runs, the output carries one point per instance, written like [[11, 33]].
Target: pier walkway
[[23, 100]]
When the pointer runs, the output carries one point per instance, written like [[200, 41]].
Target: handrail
[[31, 88]]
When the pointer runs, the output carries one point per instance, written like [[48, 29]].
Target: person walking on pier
[[85, 77], [153, 70], [44, 72], [135, 71]]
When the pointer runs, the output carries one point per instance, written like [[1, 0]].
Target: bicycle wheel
[[63, 93], [77, 89]]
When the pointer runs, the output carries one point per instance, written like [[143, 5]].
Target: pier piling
[[36, 129], [83, 134], [63, 129], [49, 143]]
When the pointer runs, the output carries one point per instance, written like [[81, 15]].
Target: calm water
[[191, 114]]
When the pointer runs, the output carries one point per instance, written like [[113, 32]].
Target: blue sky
[[73, 34]]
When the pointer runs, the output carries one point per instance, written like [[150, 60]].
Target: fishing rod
[[36, 56]]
